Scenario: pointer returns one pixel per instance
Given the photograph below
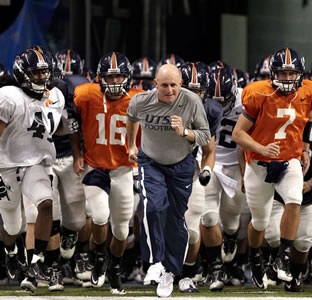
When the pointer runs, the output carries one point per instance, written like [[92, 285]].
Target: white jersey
[[226, 148], [27, 139]]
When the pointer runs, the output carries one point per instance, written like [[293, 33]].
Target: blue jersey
[[214, 112], [67, 86]]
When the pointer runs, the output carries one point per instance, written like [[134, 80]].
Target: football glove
[[204, 175], [136, 184], [70, 125]]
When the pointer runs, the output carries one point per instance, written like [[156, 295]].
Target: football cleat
[[229, 248], [186, 285], [68, 244], [281, 267], [257, 270]]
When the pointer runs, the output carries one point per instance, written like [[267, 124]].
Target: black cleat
[[257, 270], [281, 267], [294, 285], [114, 278]]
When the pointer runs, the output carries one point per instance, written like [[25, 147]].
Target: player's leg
[[290, 189], [121, 201], [96, 183], [259, 198], [212, 234]]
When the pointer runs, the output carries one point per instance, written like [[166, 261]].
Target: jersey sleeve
[[249, 101], [132, 109], [81, 96], [7, 107]]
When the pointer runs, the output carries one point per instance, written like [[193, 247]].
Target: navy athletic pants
[[165, 190]]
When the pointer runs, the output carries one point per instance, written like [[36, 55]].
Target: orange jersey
[[277, 118], [105, 139]]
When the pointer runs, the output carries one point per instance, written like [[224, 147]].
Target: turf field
[[246, 292]]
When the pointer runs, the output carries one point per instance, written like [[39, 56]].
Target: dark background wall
[[240, 31]]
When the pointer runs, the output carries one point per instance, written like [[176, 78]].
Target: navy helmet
[[144, 68], [223, 88], [286, 59], [26, 65], [69, 62], [173, 59], [195, 77], [114, 63]]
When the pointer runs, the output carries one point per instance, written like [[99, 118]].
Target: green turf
[[247, 291]]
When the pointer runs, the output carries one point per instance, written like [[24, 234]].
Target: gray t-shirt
[[159, 141]]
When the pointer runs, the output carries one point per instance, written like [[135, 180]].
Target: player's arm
[[240, 136], [208, 161], [132, 131], [307, 139], [75, 142], [3, 125], [242, 166]]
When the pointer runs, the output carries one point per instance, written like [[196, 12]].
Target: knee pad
[[121, 231], [260, 224], [13, 228], [74, 216], [302, 245], [31, 214], [210, 219], [56, 227], [192, 222], [98, 204]]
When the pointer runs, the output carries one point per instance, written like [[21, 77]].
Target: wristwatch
[[185, 132]]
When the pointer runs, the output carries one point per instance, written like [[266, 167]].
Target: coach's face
[[168, 83]]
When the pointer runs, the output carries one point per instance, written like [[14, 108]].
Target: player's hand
[[271, 150], [79, 165], [177, 125], [306, 162], [306, 187], [70, 125], [136, 184], [205, 175], [133, 154]]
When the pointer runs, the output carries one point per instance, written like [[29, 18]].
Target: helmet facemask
[[286, 86], [286, 60], [37, 83], [114, 89]]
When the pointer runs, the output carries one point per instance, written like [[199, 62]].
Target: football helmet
[[143, 68], [142, 84], [241, 78], [172, 59], [114, 63], [55, 71], [69, 62], [262, 71], [28, 69], [194, 76], [218, 64], [286, 59], [223, 88]]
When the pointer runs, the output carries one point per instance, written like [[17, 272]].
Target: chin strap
[[104, 102], [268, 95]]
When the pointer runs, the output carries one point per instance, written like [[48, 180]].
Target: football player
[[223, 197], [195, 78], [107, 173], [270, 129], [30, 114]]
